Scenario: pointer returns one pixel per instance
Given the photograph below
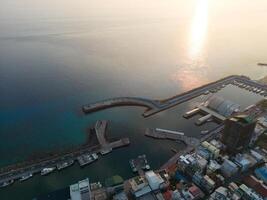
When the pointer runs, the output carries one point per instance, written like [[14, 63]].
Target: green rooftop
[[246, 119], [113, 181]]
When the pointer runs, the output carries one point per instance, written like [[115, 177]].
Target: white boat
[[206, 92], [47, 170], [65, 164], [204, 132], [6, 183], [25, 177], [87, 159]]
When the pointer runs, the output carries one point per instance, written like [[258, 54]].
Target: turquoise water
[[52, 61]]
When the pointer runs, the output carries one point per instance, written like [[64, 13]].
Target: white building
[[80, 190]]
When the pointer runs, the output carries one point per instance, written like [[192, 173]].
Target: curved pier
[[121, 101], [155, 106]]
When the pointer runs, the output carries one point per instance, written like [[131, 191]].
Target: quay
[[60, 160], [209, 115], [211, 135], [155, 106], [214, 108], [171, 135], [100, 130]]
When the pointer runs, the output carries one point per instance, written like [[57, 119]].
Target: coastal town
[[227, 162]]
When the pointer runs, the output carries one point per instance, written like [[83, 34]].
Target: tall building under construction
[[238, 132]]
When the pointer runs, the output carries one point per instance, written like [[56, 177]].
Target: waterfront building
[[154, 180], [222, 106], [114, 181], [139, 186], [238, 132], [80, 190], [213, 150]]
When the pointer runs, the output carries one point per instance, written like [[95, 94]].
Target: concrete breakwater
[[155, 106]]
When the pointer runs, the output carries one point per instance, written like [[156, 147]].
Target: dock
[[62, 160], [156, 106], [100, 130], [171, 135], [211, 135]]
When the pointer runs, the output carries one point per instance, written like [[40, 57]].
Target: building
[[204, 182], [154, 180], [80, 190], [245, 161], [196, 192], [212, 149], [220, 193], [256, 184], [248, 193], [228, 168], [139, 186], [222, 106], [238, 132], [261, 173]]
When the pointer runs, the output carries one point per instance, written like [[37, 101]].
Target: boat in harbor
[[25, 177], [64, 164], [87, 159], [139, 163], [6, 183], [204, 132], [206, 92], [47, 170], [133, 165], [174, 150]]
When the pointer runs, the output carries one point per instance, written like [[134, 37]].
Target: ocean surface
[[56, 56]]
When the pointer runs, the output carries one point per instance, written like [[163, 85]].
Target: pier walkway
[[211, 135], [100, 130], [121, 101], [156, 133], [155, 106]]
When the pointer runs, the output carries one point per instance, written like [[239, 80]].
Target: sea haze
[[56, 56]]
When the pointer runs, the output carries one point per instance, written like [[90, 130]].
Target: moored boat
[[25, 177], [6, 183], [47, 170], [64, 164]]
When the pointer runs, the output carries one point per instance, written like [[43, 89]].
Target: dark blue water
[[54, 61]]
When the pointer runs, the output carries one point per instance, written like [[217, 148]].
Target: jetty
[[171, 135], [61, 160], [156, 106], [209, 136]]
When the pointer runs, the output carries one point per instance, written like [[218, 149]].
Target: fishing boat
[[6, 183], [47, 170], [25, 177], [65, 164], [204, 132]]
